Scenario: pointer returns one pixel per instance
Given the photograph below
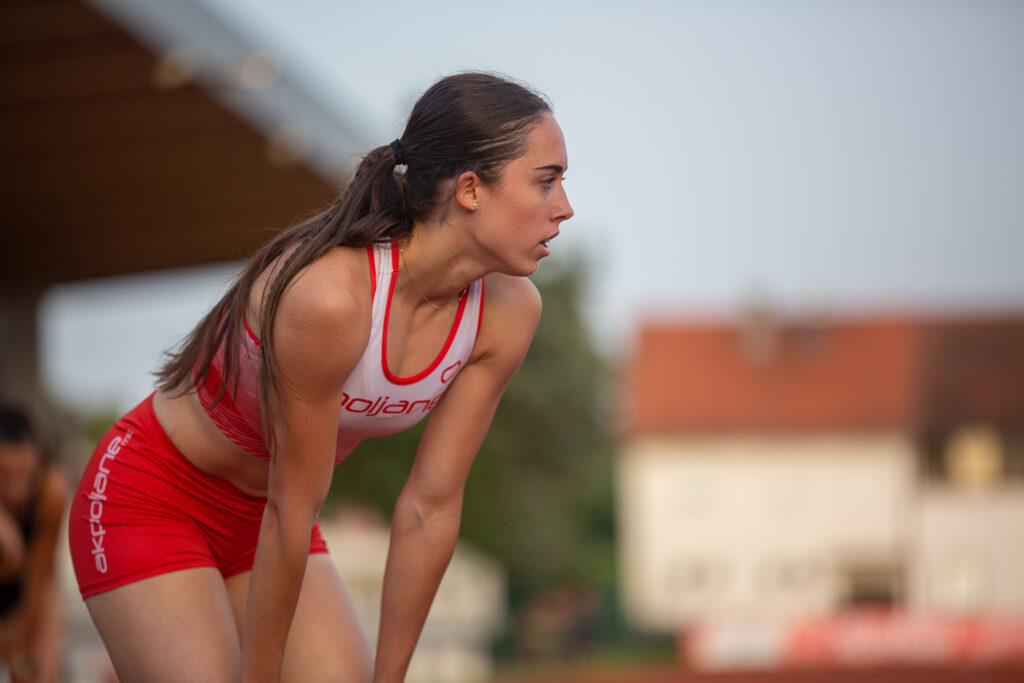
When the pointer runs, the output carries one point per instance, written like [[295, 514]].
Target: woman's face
[[518, 217], [17, 464]]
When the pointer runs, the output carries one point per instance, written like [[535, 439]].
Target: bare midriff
[[191, 430]]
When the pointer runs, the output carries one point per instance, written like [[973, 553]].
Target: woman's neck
[[434, 267]]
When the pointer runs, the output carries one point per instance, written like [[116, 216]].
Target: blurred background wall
[[777, 472]]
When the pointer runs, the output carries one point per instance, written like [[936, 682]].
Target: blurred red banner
[[855, 639]]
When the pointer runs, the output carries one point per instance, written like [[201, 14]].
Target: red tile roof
[[974, 371], [885, 372]]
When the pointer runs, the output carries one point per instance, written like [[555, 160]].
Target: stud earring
[[474, 205]]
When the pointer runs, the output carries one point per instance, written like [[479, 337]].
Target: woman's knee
[[326, 641]]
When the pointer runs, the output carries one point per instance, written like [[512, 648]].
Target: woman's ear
[[468, 189]]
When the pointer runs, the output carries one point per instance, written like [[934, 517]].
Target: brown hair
[[466, 122]]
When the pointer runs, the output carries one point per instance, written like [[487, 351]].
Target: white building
[[785, 472]]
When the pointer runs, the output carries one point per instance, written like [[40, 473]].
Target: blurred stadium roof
[[138, 135], [141, 134]]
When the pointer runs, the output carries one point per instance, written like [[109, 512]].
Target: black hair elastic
[[396, 149]]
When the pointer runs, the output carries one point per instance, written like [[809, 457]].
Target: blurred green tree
[[539, 496]]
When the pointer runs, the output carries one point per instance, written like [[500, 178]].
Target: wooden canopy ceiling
[[104, 173]]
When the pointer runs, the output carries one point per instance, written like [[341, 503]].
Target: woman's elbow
[[292, 513], [426, 509]]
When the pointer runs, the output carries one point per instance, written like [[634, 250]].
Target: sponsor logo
[[383, 405], [450, 372], [98, 496]]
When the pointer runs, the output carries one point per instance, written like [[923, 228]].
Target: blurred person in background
[[32, 498], [194, 530]]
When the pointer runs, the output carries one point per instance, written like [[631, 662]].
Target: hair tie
[[396, 149]]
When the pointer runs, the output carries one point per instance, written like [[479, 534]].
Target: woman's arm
[[12, 546], [320, 331], [426, 519], [12, 563], [39, 555]]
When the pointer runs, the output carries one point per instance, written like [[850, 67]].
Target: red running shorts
[[143, 509]]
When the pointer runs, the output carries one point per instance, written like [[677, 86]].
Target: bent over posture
[[194, 529]]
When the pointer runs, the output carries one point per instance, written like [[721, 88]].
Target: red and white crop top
[[375, 401]]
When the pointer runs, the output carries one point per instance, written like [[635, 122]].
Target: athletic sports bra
[[375, 401]]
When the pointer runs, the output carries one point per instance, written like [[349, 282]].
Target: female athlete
[[194, 529]]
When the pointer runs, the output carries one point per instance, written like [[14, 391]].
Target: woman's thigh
[[326, 642], [172, 627]]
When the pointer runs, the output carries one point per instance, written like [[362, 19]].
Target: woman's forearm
[[278, 570], [12, 546], [38, 573], [421, 548]]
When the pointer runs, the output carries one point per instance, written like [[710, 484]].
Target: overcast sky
[[838, 156]]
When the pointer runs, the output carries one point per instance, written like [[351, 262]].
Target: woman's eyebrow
[[554, 168]]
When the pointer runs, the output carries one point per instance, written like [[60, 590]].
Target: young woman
[[32, 499], [194, 530]]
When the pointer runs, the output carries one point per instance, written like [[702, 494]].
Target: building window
[[973, 456], [784, 575], [872, 585], [932, 465], [1014, 452], [695, 577], [962, 580]]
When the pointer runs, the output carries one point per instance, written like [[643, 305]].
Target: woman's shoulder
[[509, 294], [54, 484], [349, 267], [512, 308], [52, 494], [326, 307], [331, 289]]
